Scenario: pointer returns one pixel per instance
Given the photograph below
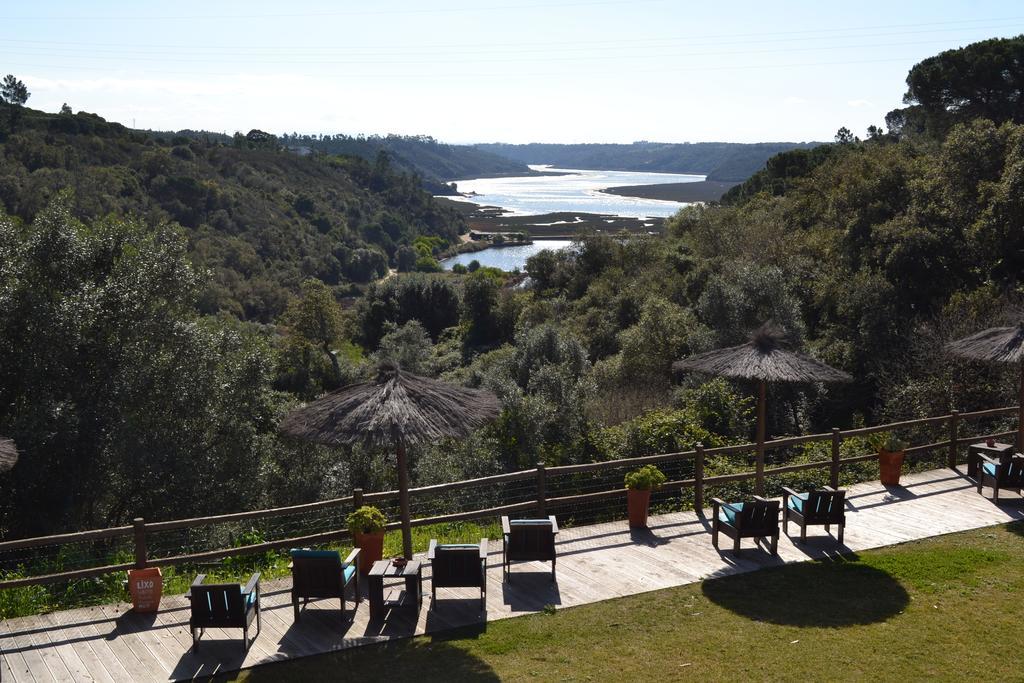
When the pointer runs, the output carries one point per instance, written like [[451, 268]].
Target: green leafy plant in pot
[[891, 452], [639, 484], [367, 528]]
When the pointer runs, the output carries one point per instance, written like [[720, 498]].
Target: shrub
[[646, 478], [366, 520]]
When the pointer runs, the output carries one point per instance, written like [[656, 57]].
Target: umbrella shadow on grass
[[827, 593]]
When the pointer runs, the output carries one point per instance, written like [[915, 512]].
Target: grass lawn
[[945, 608]]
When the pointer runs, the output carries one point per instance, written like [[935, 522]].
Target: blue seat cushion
[[250, 599], [797, 502], [306, 552], [728, 514], [347, 570], [514, 522], [989, 469]]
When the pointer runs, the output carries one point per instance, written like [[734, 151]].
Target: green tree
[[981, 80], [315, 319], [128, 403], [14, 94]]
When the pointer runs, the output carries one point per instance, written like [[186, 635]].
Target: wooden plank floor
[[594, 563]]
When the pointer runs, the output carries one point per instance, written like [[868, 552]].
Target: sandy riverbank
[[564, 224], [703, 191]]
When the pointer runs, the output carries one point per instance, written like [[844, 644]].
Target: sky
[[490, 70]]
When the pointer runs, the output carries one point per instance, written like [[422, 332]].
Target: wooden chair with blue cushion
[[321, 574], [759, 519], [525, 540], [825, 506], [461, 565], [224, 605], [1005, 473]]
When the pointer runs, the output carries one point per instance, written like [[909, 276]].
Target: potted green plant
[[890, 456], [639, 484], [367, 528]]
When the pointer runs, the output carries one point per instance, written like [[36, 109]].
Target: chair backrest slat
[[217, 603], [531, 539], [457, 567], [761, 514]]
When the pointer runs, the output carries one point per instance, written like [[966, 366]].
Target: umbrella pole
[[761, 400], [403, 501], [1020, 412]]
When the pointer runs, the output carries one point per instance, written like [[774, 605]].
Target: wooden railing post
[[357, 498], [833, 472], [954, 419], [541, 488], [139, 525], [698, 479]]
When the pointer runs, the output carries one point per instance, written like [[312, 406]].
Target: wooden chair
[[824, 506], [458, 566], [320, 574], [759, 519], [224, 605], [1005, 473], [526, 540]]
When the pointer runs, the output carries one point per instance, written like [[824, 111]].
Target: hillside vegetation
[[260, 218], [436, 163], [131, 394]]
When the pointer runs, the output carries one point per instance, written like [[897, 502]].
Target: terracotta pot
[[146, 586], [371, 549], [890, 463], [638, 501]]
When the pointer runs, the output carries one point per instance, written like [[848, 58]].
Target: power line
[[65, 47], [601, 57]]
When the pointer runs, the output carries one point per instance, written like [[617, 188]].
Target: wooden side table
[[411, 573], [975, 450]]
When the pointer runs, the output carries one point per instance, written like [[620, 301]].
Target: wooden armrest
[[430, 550], [483, 548], [718, 502], [554, 524], [760, 499], [790, 492], [198, 580], [506, 528], [352, 556], [291, 565], [254, 584], [828, 488], [990, 460]]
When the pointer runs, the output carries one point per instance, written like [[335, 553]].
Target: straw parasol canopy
[[395, 408], [8, 454], [1001, 345], [765, 358]]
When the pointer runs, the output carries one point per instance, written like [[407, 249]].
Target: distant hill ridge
[[723, 161]]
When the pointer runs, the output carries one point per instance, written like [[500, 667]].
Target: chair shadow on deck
[[435, 657], [824, 593], [530, 591]]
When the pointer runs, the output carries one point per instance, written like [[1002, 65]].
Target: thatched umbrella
[[764, 358], [8, 454], [396, 409], [1003, 345]]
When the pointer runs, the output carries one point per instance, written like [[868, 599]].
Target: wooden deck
[[110, 643]]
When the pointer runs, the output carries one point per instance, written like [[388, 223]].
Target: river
[[574, 191]]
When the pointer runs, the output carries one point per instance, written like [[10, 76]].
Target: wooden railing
[[540, 500]]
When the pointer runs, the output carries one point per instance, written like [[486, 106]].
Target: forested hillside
[[725, 161], [128, 397], [261, 218], [435, 162]]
